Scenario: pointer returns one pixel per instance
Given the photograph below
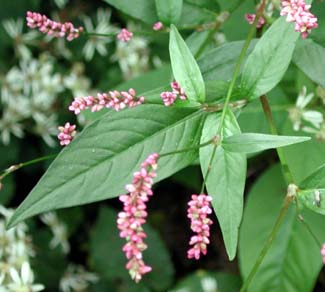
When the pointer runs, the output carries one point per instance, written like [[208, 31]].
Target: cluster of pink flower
[[322, 251], [51, 27], [198, 211], [251, 18], [66, 134], [169, 97], [113, 99], [297, 11], [134, 214], [124, 35]]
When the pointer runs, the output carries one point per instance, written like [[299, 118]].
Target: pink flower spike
[[158, 26], [66, 134], [169, 97], [124, 35], [114, 99], [198, 211], [251, 18], [297, 11], [134, 215], [51, 27]]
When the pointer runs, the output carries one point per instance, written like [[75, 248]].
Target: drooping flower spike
[[53, 28], [134, 214], [198, 211], [113, 99], [297, 11]]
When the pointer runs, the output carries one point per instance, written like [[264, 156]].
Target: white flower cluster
[[98, 43], [76, 278], [59, 230], [133, 56], [15, 251], [30, 91], [309, 121]]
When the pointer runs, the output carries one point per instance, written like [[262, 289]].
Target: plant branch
[[232, 85], [284, 165], [189, 148], [15, 167], [269, 242]]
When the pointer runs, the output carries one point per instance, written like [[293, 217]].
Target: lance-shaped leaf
[[293, 261], [169, 11], [253, 142], [315, 180], [102, 159], [270, 59], [226, 180], [310, 58], [185, 69]]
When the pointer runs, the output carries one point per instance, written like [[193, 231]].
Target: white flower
[[76, 81], [9, 125], [76, 278], [298, 114], [209, 284], [318, 131], [23, 281], [14, 28], [98, 43], [59, 230], [46, 127], [133, 56]]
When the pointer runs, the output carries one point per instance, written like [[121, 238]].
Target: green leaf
[[215, 281], [205, 4], [143, 10], [101, 159], [313, 199], [109, 260], [310, 58], [169, 11], [315, 180], [226, 181], [293, 261], [186, 71], [303, 159], [219, 63], [312, 191], [253, 142], [194, 15], [270, 59]]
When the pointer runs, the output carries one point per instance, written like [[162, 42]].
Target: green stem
[[232, 85], [284, 165], [221, 19], [302, 220], [268, 243], [239, 63], [305, 224], [15, 167], [189, 148]]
